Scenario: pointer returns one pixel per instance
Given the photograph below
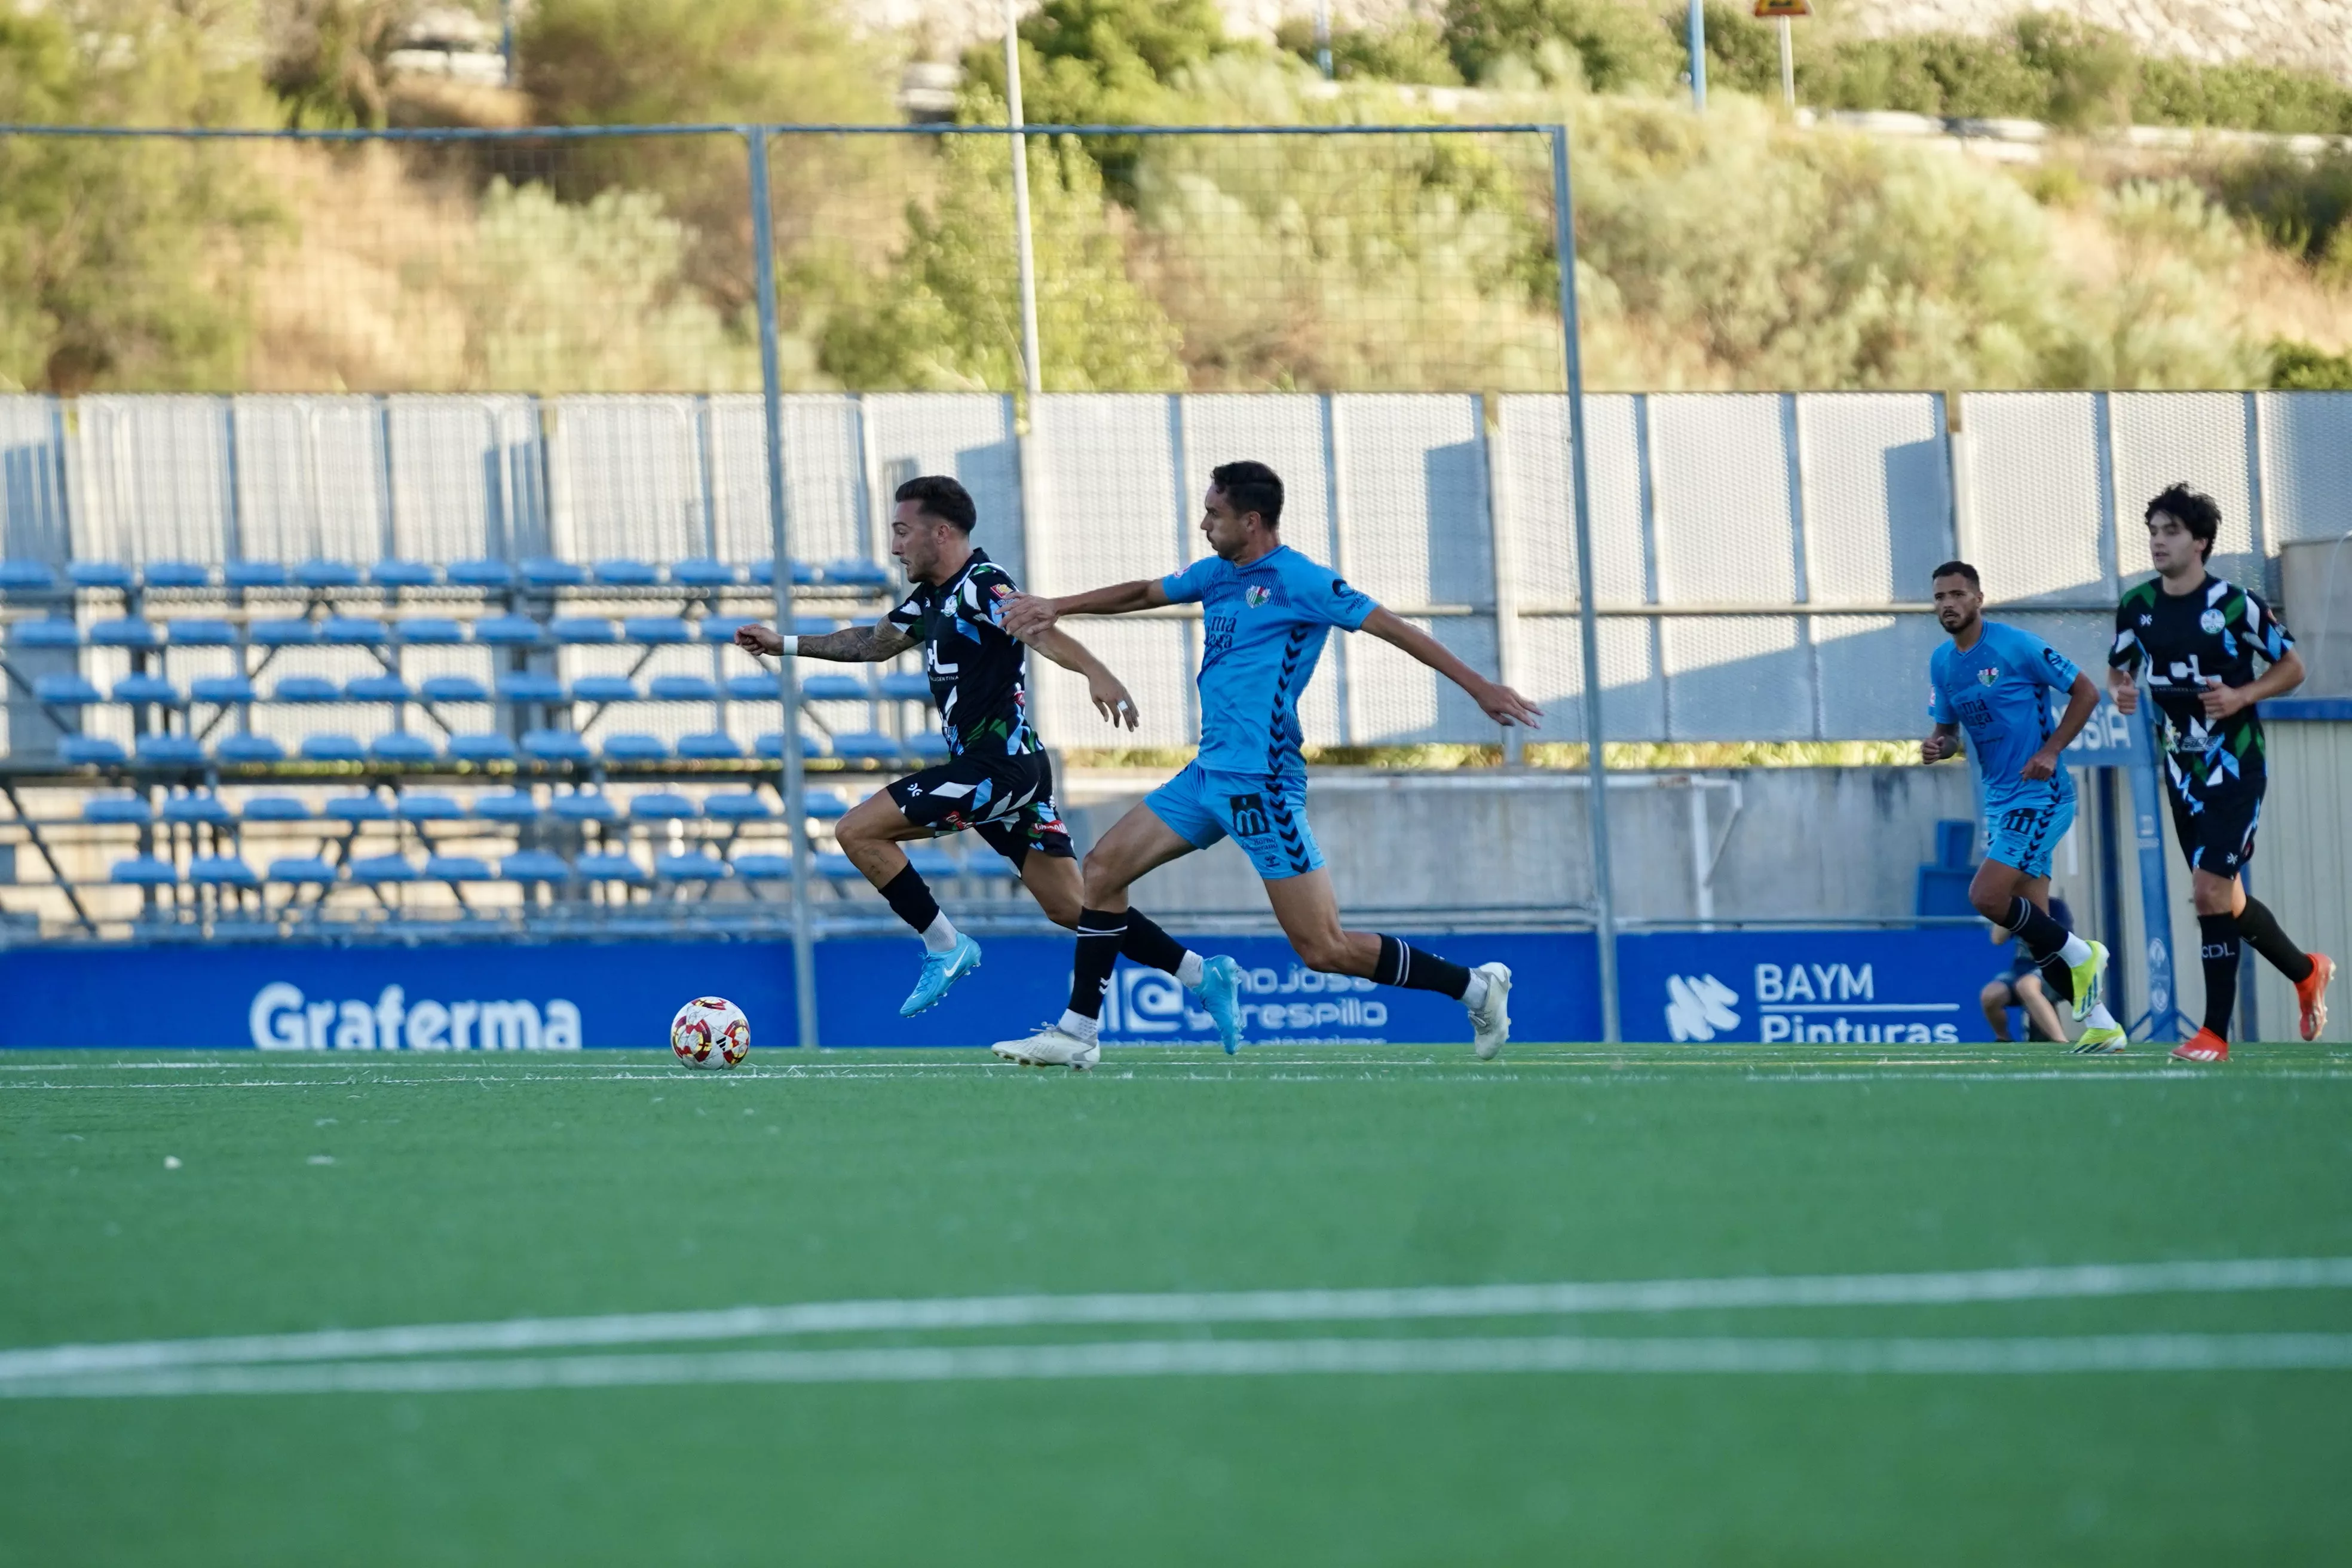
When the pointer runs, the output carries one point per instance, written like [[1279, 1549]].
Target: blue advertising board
[[1701, 988]]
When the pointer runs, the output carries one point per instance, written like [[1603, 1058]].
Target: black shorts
[[2216, 826], [1008, 801]]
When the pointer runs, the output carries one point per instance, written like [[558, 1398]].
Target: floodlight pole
[[1323, 37], [1696, 34], [763, 257], [1787, 63], [1032, 376], [1587, 624]]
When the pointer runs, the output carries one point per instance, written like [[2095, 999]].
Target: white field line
[[2133, 1354], [1272, 1073], [1193, 1309]]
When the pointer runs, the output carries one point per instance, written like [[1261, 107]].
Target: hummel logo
[[2147, 620], [913, 788]]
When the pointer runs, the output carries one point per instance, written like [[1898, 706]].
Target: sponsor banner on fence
[[1718, 987]]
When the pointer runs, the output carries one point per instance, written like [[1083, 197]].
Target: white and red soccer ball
[[710, 1032]]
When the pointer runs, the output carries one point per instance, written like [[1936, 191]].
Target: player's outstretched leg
[[1215, 983], [2072, 967], [1309, 916], [870, 835]]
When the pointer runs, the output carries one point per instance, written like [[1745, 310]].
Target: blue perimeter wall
[[1917, 985]]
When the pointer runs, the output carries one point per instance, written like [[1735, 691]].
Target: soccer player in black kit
[[2193, 639]]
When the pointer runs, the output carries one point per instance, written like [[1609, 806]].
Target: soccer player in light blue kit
[[1265, 613], [1994, 681]]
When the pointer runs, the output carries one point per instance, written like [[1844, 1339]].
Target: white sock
[[1078, 1025], [2099, 1018], [1475, 995], [2077, 949], [1191, 971], [940, 935]]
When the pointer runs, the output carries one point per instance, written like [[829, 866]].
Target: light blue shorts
[[1270, 825], [2022, 833]]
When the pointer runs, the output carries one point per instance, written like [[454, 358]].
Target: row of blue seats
[[530, 866], [536, 572], [77, 690], [367, 631], [502, 806], [539, 745]]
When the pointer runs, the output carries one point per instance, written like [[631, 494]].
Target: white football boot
[[1050, 1048], [1492, 1017]]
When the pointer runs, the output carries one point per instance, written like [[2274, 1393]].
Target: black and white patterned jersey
[[975, 665], [2179, 644]]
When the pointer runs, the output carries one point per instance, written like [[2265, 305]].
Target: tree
[[1618, 44]]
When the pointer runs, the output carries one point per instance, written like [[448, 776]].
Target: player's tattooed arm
[[1944, 741], [1109, 694], [851, 645], [1026, 616], [1495, 699]]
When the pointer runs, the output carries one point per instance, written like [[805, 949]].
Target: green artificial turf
[[363, 1192]]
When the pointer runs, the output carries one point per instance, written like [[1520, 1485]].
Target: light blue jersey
[[1998, 692], [1264, 627]]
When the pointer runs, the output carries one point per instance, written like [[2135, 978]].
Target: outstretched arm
[[1111, 698], [1497, 701], [851, 645], [1026, 616]]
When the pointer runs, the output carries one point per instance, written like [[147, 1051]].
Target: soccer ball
[[710, 1032]]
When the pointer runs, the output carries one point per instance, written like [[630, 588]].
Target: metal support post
[[1694, 30], [1587, 624], [1032, 375], [1323, 37], [763, 257], [1787, 63]]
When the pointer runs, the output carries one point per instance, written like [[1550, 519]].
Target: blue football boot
[[940, 970], [1220, 994]]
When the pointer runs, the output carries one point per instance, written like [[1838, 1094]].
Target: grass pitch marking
[[2131, 1354], [949, 1314]]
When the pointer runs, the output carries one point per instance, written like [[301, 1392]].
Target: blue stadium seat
[[856, 574], [220, 690], [533, 865], [429, 809], [928, 749], [98, 574], [403, 574], [657, 629], [870, 744], [620, 574], [701, 573], [582, 629], [177, 574], [691, 866], [458, 868], [299, 868], [377, 688], [481, 573], [507, 631], [507, 806], [380, 868], [491, 748], [152, 689], [50, 631], [760, 687], [429, 631], [529, 686], [144, 870], [683, 689], [276, 808], [198, 808], [604, 689], [629, 747], [453, 689], [585, 805], [721, 628], [764, 867], [27, 575], [365, 806], [823, 806], [837, 868], [835, 689], [737, 805], [608, 868], [913, 686], [92, 749], [555, 746], [249, 749], [712, 746], [771, 745], [542, 571], [934, 863], [66, 691], [662, 806], [126, 631], [286, 632], [353, 631], [222, 871], [331, 747], [203, 632], [306, 688], [254, 574], [804, 574], [326, 574], [171, 751], [397, 746], [116, 808]]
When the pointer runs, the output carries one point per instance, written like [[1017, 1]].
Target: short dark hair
[[1251, 487], [942, 498], [2198, 513], [1957, 569]]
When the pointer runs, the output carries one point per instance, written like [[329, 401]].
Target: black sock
[[2220, 934], [1402, 964], [2259, 926], [2059, 976], [910, 900], [1150, 946], [2041, 935], [1101, 936]]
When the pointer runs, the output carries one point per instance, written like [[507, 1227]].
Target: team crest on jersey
[[1990, 674], [2210, 621], [1255, 596]]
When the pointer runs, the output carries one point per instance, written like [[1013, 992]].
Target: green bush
[[2299, 367], [1412, 50], [2298, 205], [1618, 45]]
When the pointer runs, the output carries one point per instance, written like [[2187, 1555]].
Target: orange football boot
[[2205, 1046], [2313, 994]]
